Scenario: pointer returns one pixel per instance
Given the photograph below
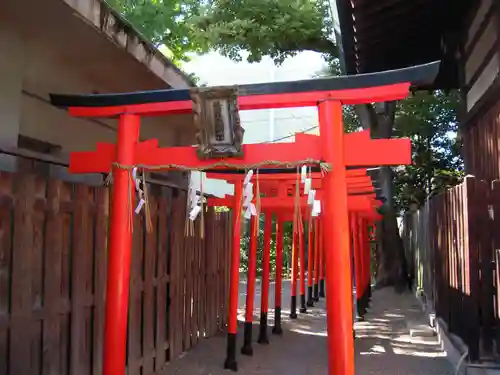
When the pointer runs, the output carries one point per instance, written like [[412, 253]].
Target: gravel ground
[[383, 344]]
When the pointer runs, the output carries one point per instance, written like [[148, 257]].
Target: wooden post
[[366, 262], [302, 279], [118, 279], [252, 270], [358, 263], [277, 330], [316, 259], [231, 363], [310, 261], [321, 259], [293, 283], [337, 252], [264, 293]]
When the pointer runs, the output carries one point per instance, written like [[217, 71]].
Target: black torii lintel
[[420, 75]]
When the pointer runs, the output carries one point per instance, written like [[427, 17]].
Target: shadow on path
[[383, 344]]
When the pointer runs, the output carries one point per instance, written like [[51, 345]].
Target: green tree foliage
[[429, 120], [276, 28], [167, 24]]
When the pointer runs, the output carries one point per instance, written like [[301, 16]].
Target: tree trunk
[[392, 267]]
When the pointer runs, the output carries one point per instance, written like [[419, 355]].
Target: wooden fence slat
[[486, 267], [472, 328], [148, 320], [177, 274], [66, 267], [100, 272], [81, 273], [188, 277], [20, 358], [135, 299], [162, 340], [6, 203], [195, 273], [495, 201], [52, 283]]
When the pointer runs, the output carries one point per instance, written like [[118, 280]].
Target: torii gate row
[[328, 95], [285, 183], [283, 214], [354, 202], [362, 256], [362, 206], [281, 175]]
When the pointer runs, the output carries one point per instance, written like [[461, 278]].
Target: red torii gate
[[279, 191], [330, 149]]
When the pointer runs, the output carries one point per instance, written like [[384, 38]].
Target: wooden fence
[[53, 243], [453, 243]]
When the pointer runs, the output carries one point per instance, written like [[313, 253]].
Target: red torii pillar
[[250, 297], [277, 329], [127, 154], [264, 292]]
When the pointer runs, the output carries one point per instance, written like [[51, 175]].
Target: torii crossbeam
[[328, 95]]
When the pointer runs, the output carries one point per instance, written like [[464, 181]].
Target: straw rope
[[189, 226], [325, 167]]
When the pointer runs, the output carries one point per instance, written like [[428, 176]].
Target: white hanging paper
[[253, 209], [192, 194], [247, 200], [316, 208], [248, 214], [194, 201], [307, 186], [194, 213], [310, 197], [248, 177], [139, 206], [248, 188], [303, 173]]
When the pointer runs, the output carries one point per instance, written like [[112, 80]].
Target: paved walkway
[[383, 345]]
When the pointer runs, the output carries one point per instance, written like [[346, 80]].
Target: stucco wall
[[56, 51]]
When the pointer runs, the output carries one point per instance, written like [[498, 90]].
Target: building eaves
[[118, 30]]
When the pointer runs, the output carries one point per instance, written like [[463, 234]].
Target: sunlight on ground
[[395, 341], [375, 350], [309, 332]]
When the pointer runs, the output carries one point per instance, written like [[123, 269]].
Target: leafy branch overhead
[[275, 28]]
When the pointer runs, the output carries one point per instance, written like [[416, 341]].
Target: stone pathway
[[383, 345]]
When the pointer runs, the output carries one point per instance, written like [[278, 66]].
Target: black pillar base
[[277, 330], [363, 303], [230, 363], [263, 338], [247, 349], [316, 292], [303, 308], [322, 288], [293, 307], [310, 301], [360, 310]]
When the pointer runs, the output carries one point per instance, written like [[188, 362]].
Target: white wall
[[260, 125]]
